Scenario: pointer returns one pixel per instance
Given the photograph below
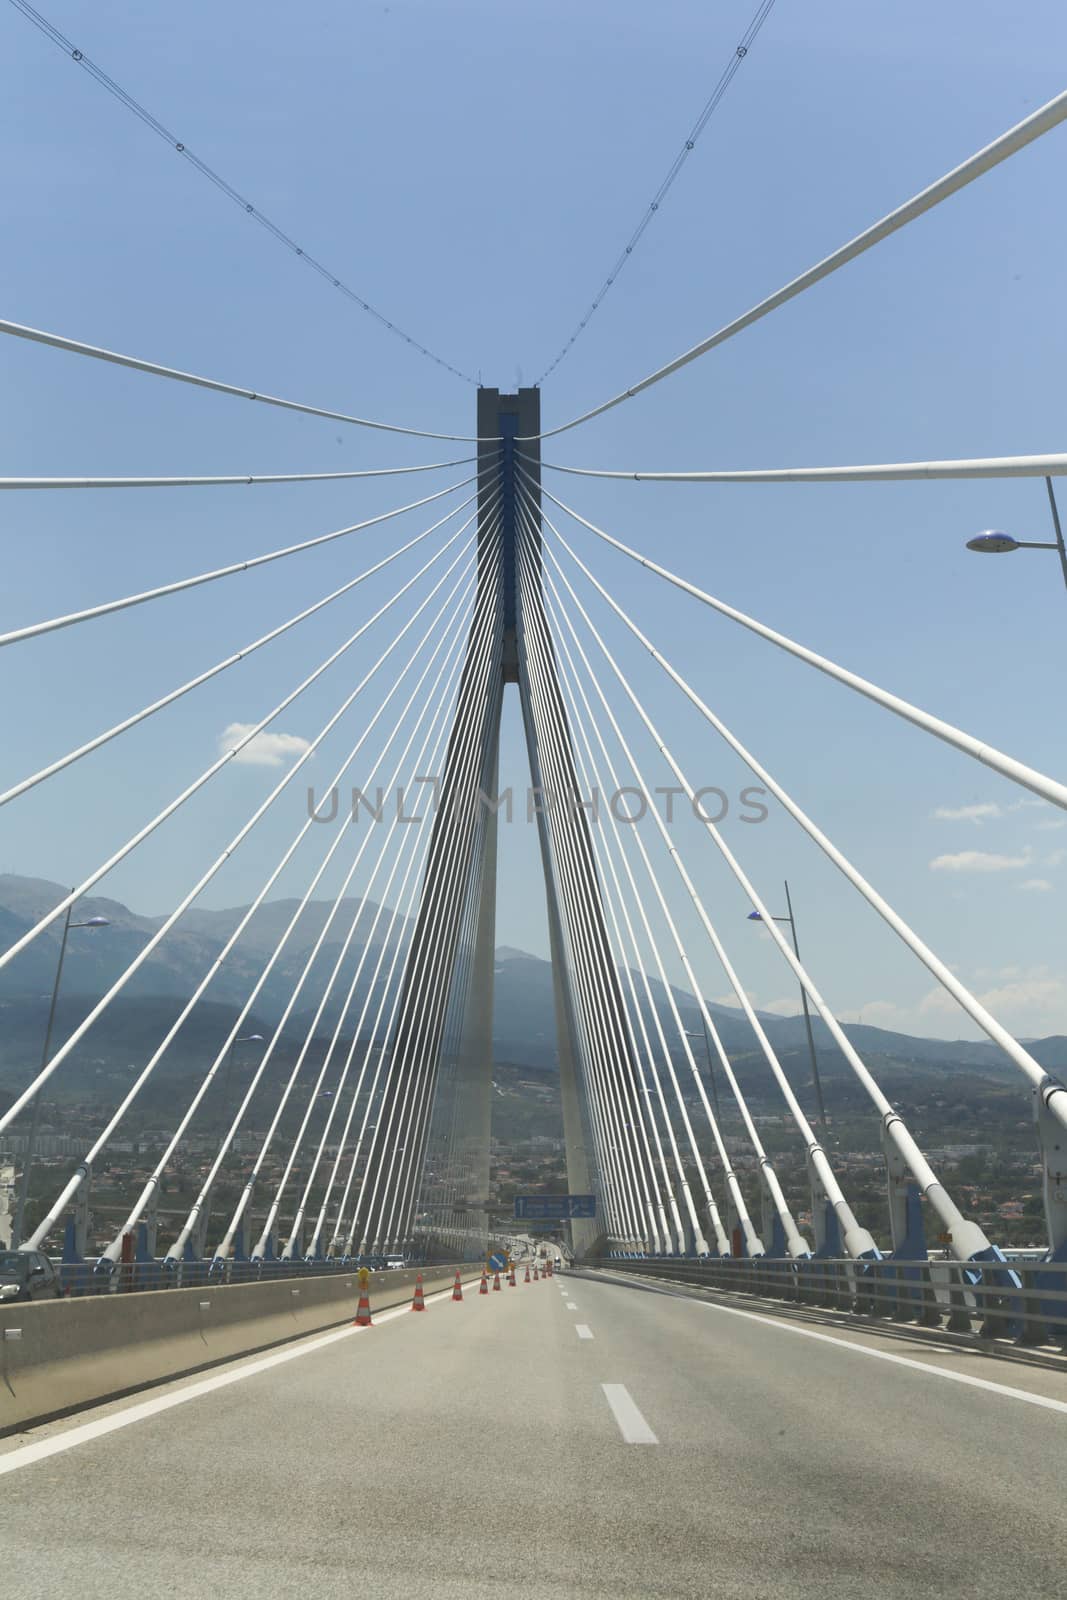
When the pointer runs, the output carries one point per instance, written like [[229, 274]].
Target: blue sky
[[473, 169]]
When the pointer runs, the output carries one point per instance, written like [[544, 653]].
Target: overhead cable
[[710, 106], [33, 630], [216, 483], [153, 123], [220, 666], [204, 777], [968, 1240], [152, 1185], [1017, 771], [1053, 1094], [886, 472], [18, 330], [1017, 138]]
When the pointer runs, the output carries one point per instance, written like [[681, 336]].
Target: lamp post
[[994, 543], [711, 1064], [35, 1115], [754, 916], [246, 1038]]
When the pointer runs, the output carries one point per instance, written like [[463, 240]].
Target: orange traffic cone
[[363, 1311], [511, 1279], [548, 1270], [535, 1272], [418, 1304], [496, 1280], [483, 1287], [457, 1289], [527, 1277]]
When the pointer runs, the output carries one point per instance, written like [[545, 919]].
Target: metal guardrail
[[1025, 1301], [83, 1277]]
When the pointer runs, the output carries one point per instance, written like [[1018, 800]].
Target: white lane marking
[[583, 1331], [571, 1306], [632, 1425], [887, 1355], [27, 1454]]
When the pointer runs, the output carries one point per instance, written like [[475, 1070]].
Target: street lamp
[[35, 1115], [711, 1064], [995, 543], [754, 916], [246, 1038]]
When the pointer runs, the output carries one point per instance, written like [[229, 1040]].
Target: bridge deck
[[473, 1452]]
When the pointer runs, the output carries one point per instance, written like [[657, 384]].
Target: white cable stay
[[216, 866], [415, 855], [595, 1051], [112, 1253], [589, 772], [219, 482], [151, 1186], [396, 828], [620, 1068], [420, 1034], [385, 896], [246, 1194], [1038, 466], [1017, 771], [411, 1033], [203, 1198], [1053, 1093], [216, 766], [967, 1239], [244, 1201], [35, 629], [272, 1213], [1017, 138], [405, 898], [57, 341], [245, 651], [418, 1037], [795, 1243]]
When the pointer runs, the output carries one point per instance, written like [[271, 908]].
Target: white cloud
[[1029, 1001], [1056, 859], [265, 750], [1037, 885], [874, 1012], [788, 1006], [978, 861], [1051, 824], [979, 813]]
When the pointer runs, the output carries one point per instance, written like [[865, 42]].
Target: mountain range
[[524, 1023]]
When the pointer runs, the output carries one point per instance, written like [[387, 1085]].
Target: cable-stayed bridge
[[701, 1276]]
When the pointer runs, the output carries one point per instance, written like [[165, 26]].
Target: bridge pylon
[[430, 1154]]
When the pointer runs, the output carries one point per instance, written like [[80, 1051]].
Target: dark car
[[27, 1275]]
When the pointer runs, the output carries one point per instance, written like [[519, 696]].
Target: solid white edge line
[[632, 1425], [583, 1330], [571, 1306], [27, 1454], [887, 1355]]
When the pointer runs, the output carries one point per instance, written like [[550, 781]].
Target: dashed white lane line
[[25, 1456], [571, 1306], [888, 1355], [583, 1331], [632, 1425]]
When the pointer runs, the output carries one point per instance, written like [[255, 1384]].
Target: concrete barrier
[[58, 1355]]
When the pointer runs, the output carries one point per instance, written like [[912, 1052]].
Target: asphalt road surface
[[579, 1437]]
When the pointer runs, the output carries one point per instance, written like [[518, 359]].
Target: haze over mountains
[[524, 1024]]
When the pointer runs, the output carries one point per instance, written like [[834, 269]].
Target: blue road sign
[[497, 1262], [553, 1206]]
